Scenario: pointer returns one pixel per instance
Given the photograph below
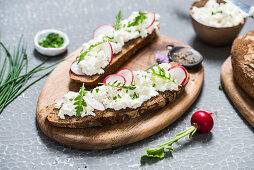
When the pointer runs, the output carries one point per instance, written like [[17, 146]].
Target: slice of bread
[[242, 58], [110, 116], [130, 48]]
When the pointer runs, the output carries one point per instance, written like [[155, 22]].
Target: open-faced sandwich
[[122, 96], [112, 46], [242, 58]]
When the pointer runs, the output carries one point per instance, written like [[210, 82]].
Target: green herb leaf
[[119, 86], [134, 96], [220, 87], [97, 90], [79, 102], [162, 75], [118, 20], [115, 97], [153, 153], [138, 19]]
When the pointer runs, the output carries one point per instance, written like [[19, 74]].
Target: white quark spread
[[147, 86], [251, 12], [95, 61], [218, 15]]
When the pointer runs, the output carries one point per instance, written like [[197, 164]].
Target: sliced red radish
[[61, 100], [108, 50], [127, 74], [114, 78], [76, 70], [103, 29], [95, 104], [178, 73], [150, 19]]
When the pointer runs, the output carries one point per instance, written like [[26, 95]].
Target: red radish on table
[[150, 19], [127, 74], [108, 50], [178, 73], [95, 104], [76, 70], [201, 121], [103, 30], [114, 79]]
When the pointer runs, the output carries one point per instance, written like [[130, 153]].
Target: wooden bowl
[[217, 36]]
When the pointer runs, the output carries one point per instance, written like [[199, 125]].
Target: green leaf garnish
[[97, 90], [138, 19], [153, 153], [119, 86], [118, 20], [220, 87], [79, 102], [162, 74], [134, 96], [105, 39]]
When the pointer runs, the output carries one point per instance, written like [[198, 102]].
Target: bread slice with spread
[[122, 96], [113, 46]]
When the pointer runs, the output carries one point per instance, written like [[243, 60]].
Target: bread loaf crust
[[242, 58]]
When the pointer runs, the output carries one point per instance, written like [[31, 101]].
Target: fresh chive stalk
[[14, 73]]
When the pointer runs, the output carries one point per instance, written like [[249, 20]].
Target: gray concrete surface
[[230, 145]]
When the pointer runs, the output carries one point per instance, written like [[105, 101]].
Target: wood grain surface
[[241, 100], [124, 133]]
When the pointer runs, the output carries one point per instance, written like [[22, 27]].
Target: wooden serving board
[[124, 133], [243, 103]]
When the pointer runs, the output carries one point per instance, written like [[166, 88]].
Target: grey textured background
[[230, 145]]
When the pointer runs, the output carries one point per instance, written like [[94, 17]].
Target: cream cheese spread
[[95, 60], [147, 86], [251, 12], [218, 15]]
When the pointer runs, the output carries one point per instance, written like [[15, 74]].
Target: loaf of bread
[[242, 58]]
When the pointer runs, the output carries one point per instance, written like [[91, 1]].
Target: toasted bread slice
[[130, 48], [110, 116]]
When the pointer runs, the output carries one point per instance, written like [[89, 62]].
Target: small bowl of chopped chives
[[51, 42]]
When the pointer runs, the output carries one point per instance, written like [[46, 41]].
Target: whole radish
[[201, 121]]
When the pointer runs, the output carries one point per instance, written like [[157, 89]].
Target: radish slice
[[95, 104], [114, 78], [150, 19], [127, 74], [178, 73], [76, 70], [103, 29], [108, 51]]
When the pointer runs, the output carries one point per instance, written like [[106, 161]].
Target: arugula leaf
[[105, 39], [79, 102], [138, 19], [118, 20], [118, 86], [153, 153], [162, 74], [83, 54]]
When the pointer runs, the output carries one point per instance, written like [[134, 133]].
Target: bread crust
[[242, 58], [110, 116], [130, 48]]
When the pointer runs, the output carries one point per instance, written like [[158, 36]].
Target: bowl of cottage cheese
[[216, 22]]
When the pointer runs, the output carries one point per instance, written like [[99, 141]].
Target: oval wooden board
[[243, 103], [127, 132]]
